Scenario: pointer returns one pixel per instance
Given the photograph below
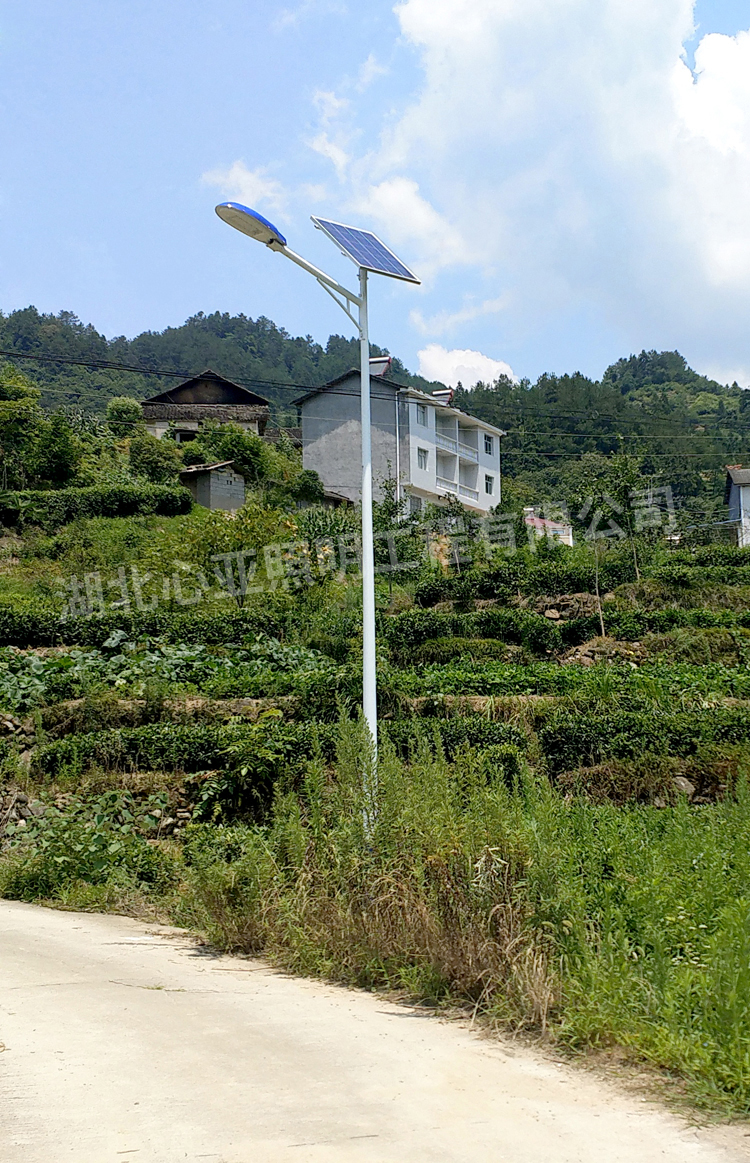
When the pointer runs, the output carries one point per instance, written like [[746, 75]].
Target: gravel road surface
[[125, 1041]]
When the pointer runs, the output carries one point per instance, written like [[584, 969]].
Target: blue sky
[[570, 178]]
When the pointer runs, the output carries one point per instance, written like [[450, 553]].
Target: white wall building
[[737, 496], [430, 448]]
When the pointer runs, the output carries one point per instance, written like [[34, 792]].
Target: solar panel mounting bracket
[[325, 280]]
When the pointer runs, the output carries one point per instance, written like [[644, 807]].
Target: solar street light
[[369, 255]]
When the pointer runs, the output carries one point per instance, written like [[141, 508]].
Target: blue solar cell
[[366, 250]]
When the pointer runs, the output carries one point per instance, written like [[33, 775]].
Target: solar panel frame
[[366, 250]]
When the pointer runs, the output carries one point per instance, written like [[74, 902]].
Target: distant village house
[[737, 497], [541, 527], [205, 398], [432, 450]]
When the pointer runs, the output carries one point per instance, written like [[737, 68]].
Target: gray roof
[[735, 476], [208, 388], [414, 393], [196, 468]]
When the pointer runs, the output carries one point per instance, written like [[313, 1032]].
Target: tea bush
[[54, 508]]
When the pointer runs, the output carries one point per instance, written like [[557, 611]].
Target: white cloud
[[448, 320], [581, 163], [293, 17], [464, 366], [369, 71], [408, 219], [328, 104], [252, 187], [333, 151]]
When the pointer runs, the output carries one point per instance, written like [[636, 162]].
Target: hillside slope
[[252, 352]]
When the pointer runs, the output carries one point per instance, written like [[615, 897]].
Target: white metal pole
[[369, 676]]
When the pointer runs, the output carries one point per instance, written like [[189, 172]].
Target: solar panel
[[366, 250]]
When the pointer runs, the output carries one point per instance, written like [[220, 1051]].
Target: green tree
[[124, 416], [57, 452], [213, 539], [157, 460], [20, 421]]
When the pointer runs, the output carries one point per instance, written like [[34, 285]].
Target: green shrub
[[570, 739], [91, 842], [406, 735], [156, 460], [28, 624], [56, 507], [240, 764], [405, 631], [124, 416]]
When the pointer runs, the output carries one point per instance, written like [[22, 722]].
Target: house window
[[422, 415], [415, 504], [488, 448], [489, 484], [422, 458]]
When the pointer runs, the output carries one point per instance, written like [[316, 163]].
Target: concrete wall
[[332, 441], [227, 489], [220, 489]]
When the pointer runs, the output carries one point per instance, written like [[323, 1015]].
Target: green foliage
[[14, 385], [91, 842], [53, 509], [156, 460], [265, 667], [594, 922], [58, 452], [240, 348], [570, 739], [242, 762], [29, 624], [124, 415]]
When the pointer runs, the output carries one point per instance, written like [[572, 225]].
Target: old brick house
[[207, 397]]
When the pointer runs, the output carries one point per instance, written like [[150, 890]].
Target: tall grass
[[466, 880], [598, 924]]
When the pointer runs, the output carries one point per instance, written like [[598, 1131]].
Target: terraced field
[[557, 834]]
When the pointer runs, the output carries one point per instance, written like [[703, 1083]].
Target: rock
[[183, 814], [684, 785], [553, 615], [25, 759], [37, 809], [22, 798], [659, 802], [168, 823]]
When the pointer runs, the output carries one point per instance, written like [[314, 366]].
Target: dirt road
[[123, 1041]]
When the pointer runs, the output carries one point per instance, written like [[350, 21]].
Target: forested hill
[[674, 426], [678, 427], [255, 353]]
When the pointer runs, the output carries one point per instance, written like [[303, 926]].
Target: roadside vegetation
[[556, 835]]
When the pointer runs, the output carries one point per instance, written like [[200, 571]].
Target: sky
[[569, 178]]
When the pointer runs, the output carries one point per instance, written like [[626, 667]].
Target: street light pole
[[368, 253], [369, 663]]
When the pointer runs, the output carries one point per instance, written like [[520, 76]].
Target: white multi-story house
[[737, 496], [431, 449]]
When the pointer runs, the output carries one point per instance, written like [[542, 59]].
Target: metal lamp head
[[251, 223]]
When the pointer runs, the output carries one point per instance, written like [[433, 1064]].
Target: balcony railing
[[444, 483], [446, 442], [465, 491], [467, 452]]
